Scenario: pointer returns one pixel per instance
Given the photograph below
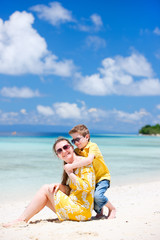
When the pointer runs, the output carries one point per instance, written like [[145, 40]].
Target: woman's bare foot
[[15, 223]]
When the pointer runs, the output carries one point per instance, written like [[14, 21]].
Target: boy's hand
[[68, 168]]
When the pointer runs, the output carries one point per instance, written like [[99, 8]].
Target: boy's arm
[[83, 162]]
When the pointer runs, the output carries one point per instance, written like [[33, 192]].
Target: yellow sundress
[[78, 205]]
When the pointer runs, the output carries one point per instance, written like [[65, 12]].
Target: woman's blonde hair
[[64, 175]]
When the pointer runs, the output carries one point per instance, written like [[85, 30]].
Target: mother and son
[[84, 182]]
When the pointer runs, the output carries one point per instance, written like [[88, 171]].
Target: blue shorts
[[99, 199]]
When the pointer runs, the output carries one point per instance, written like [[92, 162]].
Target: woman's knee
[[44, 188]]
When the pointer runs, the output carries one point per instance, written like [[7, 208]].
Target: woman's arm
[[64, 188], [85, 181]]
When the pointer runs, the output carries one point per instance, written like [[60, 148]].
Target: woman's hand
[[57, 186], [53, 188]]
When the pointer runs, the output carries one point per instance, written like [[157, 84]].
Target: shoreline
[[138, 217], [13, 193], [149, 135]]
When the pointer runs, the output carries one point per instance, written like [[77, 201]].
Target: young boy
[[91, 153]]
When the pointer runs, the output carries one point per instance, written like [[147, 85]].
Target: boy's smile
[[80, 141]]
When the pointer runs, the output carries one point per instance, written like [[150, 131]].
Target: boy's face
[[81, 141]]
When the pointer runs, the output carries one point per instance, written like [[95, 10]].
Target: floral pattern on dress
[[78, 205], [80, 218]]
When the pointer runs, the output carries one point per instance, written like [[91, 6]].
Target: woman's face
[[64, 151]]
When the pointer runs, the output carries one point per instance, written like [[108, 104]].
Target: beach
[[26, 163], [138, 217]]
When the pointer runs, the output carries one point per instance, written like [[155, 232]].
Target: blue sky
[[68, 62]]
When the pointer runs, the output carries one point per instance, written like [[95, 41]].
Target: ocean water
[[26, 163]]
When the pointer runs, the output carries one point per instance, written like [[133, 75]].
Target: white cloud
[[67, 110], [97, 115], [23, 50], [130, 117], [45, 110], [91, 110], [95, 42], [83, 27], [157, 54], [92, 85], [158, 106], [130, 76], [61, 111], [144, 31], [157, 31], [93, 24], [15, 92], [9, 117], [23, 111], [56, 14], [136, 65], [145, 87], [72, 113], [97, 21]]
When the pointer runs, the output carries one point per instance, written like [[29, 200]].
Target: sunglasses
[[65, 147], [75, 140]]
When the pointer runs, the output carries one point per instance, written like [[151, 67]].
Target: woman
[[74, 205]]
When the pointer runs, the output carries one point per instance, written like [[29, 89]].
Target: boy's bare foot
[[15, 223], [111, 214], [99, 215]]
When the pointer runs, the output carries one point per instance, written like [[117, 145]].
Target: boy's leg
[[99, 198], [111, 210]]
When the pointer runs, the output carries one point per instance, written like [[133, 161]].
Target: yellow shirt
[[100, 168]]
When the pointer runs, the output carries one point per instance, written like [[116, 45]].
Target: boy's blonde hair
[[81, 129]]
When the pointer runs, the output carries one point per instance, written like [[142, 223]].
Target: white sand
[[138, 218]]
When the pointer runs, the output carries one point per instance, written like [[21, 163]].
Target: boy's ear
[[87, 136]]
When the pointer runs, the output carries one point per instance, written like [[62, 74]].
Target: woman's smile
[[63, 152]]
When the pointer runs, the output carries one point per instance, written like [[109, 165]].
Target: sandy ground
[[138, 218]]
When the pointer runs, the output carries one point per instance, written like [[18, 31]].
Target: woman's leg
[[44, 197]]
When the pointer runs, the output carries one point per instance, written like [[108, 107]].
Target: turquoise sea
[[26, 162]]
